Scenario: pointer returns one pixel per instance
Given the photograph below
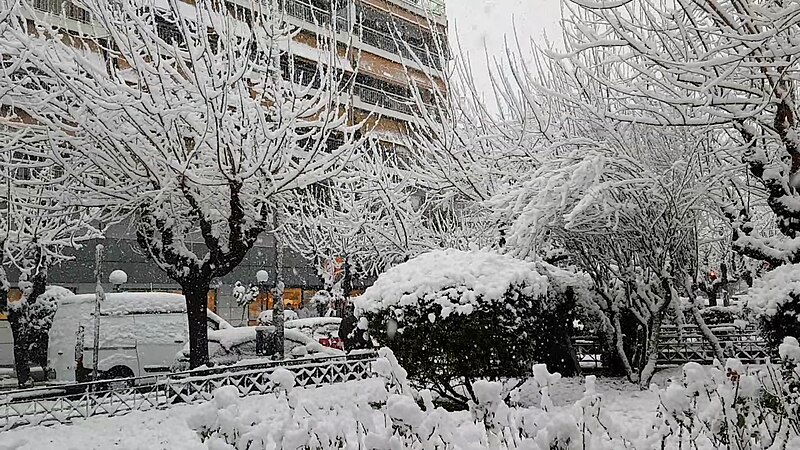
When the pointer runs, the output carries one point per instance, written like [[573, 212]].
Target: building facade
[[382, 97]]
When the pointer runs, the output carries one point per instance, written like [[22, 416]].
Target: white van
[[6, 344], [140, 333]]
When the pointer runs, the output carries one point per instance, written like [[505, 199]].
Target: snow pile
[[456, 280], [775, 289]]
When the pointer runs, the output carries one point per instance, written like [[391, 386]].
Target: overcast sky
[[483, 24]]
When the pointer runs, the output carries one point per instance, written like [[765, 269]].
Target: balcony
[[377, 97], [304, 10], [435, 7], [63, 8], [386, 42]]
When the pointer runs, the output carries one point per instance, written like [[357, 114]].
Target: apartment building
[[382, 65]]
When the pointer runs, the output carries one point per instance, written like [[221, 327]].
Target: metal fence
[[686, 344], [66, 403], [385, 41], [65, 8]]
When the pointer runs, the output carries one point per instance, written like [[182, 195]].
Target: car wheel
[[120, 377]]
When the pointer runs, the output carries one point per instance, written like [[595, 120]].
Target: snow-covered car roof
[[312, 322], [231, 337], [119, 303]]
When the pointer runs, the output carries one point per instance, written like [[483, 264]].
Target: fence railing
[[66, 403], [686, 344]]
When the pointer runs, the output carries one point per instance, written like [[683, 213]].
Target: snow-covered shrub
[[731, 406], [367, 415], [715, 315], [775, 298], [31, 320], [462, 316], [709, 407]]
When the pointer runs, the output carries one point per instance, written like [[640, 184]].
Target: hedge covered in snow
[[465, 315]]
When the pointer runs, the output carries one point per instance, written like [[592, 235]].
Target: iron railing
[[66, 403], [63, 7], [386, 42], [315, 15]]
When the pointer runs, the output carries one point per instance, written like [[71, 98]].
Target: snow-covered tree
[[624, 203], [41, 219], [185, 118], [730, 65]]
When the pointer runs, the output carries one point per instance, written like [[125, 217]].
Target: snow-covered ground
[[170, 429]]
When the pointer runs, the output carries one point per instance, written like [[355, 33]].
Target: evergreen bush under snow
[[466, 315]]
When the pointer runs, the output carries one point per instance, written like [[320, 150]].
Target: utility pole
[[277, 291]]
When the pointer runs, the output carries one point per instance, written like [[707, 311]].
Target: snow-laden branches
[[189, 118], [699, 63], [376, 216]]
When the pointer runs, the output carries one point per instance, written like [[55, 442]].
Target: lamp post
[[118, 278], [98, 299]]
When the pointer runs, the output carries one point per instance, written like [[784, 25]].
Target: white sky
[[484, 24]]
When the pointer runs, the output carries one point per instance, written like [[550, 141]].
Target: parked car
[[238, 344], [140, 332], [324, 330]]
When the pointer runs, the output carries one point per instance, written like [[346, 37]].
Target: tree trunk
[[701, 323], [16, 319], [723, 284], [19, 320], [619, 345], [196, 295], [347, 278], [652, 349]]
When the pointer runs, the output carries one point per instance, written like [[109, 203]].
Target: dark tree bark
[[196, 295], [24, 337]]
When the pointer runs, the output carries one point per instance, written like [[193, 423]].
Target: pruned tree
[[186, 119]]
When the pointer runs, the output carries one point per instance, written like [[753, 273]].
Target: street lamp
[[118, 278]]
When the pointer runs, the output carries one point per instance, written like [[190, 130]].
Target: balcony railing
[[383, 99], [63, 7], [385, 41], [314, 15], [380, 98], [436, 7]]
